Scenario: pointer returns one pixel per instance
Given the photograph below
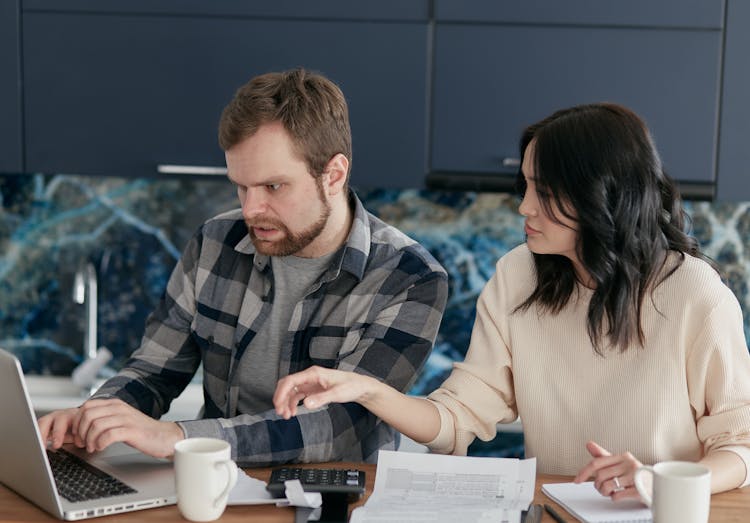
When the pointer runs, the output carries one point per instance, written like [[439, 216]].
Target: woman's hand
[[316, 387], [612, 474], [319, 386]]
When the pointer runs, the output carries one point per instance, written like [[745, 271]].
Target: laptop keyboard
[[78, 480]]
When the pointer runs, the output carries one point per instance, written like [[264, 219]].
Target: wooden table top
[[728, 507]]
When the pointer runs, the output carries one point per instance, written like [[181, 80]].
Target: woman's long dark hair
[[599, 162]]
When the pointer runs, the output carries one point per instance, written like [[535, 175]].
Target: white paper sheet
[[587, 504], [436, 488], [251, 491], [297, 497]]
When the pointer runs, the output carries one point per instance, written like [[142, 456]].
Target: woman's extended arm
[[416, 418]]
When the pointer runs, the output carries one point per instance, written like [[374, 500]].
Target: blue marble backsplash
[[133, 230]]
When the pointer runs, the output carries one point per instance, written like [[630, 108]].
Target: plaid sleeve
[[168, 356], [392, 348]]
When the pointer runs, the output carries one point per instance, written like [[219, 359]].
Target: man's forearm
[[328, 434]]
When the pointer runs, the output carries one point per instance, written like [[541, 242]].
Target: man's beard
[[290, 243]]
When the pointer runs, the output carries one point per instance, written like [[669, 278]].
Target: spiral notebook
[[584, 502]]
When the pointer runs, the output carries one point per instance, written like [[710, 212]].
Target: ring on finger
[[618, 486]]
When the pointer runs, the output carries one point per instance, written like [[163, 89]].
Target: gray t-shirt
[[259, 367]]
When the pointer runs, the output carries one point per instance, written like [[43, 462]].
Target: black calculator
[[326, 481]]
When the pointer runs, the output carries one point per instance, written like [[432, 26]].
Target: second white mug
[[680, 493]]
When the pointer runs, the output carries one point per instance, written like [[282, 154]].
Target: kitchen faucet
[[84, 293], [94, 358]]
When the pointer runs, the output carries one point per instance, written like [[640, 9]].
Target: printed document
[[435, 488]]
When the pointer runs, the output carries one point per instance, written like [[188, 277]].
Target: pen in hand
[[552, 512]]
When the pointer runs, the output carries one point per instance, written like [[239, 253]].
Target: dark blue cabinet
[[383, 10], [10, 89], [707, 14], [439, 90], [124, 92], [492, 79], [734, 152]]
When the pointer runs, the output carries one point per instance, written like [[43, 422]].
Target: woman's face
[[545, 234]]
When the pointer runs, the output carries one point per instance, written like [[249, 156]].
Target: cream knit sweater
[[684, 394]]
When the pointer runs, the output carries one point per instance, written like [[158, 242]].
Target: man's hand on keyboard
[[98, 423], [55, 427]]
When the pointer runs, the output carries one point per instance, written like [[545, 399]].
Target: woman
[[607, 332]]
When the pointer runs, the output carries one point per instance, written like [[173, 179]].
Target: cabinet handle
[[190, 169], [511, 162]]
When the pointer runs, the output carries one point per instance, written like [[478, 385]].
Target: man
[[302, 274]]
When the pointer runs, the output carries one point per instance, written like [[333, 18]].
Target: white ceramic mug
[[204, 475], [680, 493]]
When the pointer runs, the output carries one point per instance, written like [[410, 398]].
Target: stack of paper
[[434, 488]]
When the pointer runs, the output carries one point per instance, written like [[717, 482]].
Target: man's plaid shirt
[[375, 310]]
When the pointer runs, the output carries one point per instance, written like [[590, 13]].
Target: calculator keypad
[[322, 480]]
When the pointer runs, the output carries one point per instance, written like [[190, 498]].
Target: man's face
[[285, 208]]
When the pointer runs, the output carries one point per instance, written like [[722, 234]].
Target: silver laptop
[[140, 480]]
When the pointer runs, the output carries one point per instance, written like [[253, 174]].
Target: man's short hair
[[311, 108]]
